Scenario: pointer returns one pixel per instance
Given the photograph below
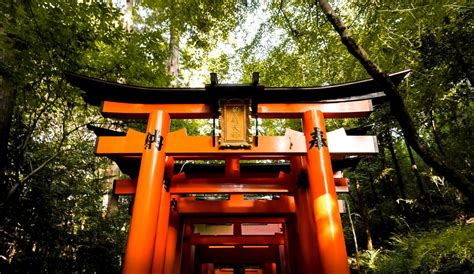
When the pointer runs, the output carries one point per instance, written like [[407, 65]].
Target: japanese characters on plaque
[[234, 124]]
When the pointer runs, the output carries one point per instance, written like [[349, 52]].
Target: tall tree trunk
[[387, 181], [396, 165], [375, 198], [365, 216], [111, 199], [461, 181], [419, 181], [7, 102], [435, 134], [354, 234], [127, 16], [173, 61], [466, 67]]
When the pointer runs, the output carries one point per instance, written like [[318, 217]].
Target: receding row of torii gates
[[277, 208]]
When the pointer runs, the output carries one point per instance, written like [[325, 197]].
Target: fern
[[446, 249]]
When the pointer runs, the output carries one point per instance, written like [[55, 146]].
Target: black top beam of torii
[[98, 90]]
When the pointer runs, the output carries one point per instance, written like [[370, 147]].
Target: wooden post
[[307, 232], [232, 168], [163, 221], [172, 239], [274, 268], [203, 269], [188, 250], [329, 232], [293, 249], [306, 228], [161, 234], [267, 268], [283, 266], [140, 244], [210, 269], [207, 268]]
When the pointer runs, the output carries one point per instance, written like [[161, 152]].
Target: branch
[[423, 6], [36, 117], [15, 187], [296, 33], [39, 168], [47, 161], [398, 108]]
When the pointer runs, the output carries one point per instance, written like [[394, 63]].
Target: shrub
[[447, 249]]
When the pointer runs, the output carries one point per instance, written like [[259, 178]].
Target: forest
[[410, 208]]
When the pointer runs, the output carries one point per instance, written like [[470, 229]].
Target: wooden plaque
[[234, 124]]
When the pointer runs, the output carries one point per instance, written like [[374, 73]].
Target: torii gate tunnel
[[298, 230]]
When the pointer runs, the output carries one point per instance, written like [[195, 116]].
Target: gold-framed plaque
[[234, 124]]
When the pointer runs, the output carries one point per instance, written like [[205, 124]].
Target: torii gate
[[163, 236]]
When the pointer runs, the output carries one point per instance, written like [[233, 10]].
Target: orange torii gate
[[164, 232]]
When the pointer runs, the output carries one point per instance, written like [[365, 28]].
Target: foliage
[[195, 28], [369, 258], [445, 249], [51, 215]]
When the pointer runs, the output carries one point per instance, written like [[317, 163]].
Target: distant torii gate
[[300, 232]]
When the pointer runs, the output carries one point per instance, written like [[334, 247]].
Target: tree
[[7, 95], [192, 29], [52, 220], [7, 98], [461, 181]]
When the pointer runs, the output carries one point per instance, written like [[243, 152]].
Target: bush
[[446, 249]]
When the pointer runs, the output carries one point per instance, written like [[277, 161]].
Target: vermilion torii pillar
[[163, 223], [329, 232], [140, 244]]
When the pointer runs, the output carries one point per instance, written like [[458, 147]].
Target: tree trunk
[[419, 181], [364, 215], [173, 61], [127, 16], [387, 181], [7, 102], [396, 165], [398, 108], [376, 199], [111, 199], [435, 134], [354, 234], [112, 206]]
